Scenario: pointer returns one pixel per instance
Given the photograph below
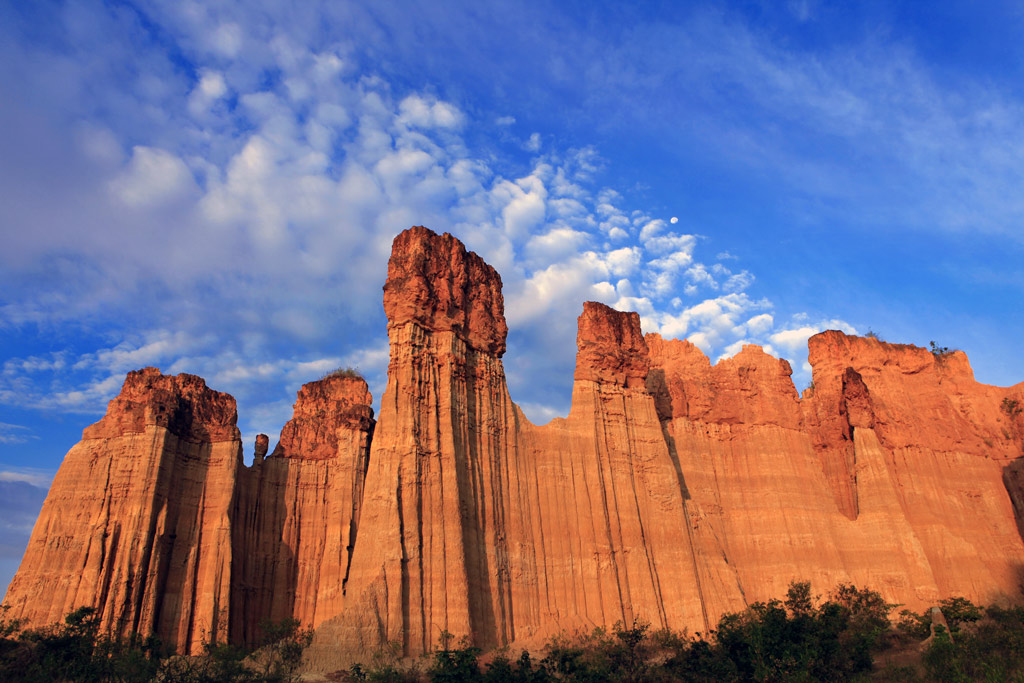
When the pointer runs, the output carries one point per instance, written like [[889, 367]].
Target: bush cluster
[[351, 373], [800, 638], [987, 645], [789, 640], [77, 652]]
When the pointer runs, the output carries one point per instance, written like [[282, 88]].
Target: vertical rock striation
[[297, 511], [674, 491], [137, 521], [435, 486]]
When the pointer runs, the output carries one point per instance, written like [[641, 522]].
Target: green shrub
[[76, 651], [1011, 407], [349, 372], [914, 625], [452, 665]]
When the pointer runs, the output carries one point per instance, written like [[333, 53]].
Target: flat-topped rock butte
[[674, 491]]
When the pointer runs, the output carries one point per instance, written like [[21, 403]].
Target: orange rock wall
[[674, 491], [297, 511], [137, 521]]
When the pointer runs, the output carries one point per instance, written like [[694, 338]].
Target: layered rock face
[[297, 511], [488, 526], [674, 491], [137, 521], [888, 473]]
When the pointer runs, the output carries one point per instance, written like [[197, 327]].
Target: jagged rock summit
[[674, 491]]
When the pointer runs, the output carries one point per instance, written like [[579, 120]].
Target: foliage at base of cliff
[[847, 636], [77, 652]]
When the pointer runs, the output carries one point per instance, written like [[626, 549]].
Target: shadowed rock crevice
[[1013, 480]]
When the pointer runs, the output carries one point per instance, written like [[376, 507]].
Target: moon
[[673, 220]]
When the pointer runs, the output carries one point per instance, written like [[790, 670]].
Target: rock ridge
[[675, 490]]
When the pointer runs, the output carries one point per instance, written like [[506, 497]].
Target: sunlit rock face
[[138, 519], [674, 491], [296, 513]]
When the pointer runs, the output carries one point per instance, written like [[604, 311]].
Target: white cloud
[[29, 475], [227, 39], [671, 242], [539, 413], [12, 434], [524, 205], [155, 346], [426, 112], [710, 322], [760, 324], [622, 261], [153, 178], [56, 361], [794, 340], [555, 245], [533, 143], [301, 188], [651, 229], [210, 88], [738, 281], [566, 207], [698, 274]]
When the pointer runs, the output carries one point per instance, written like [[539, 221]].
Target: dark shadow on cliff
[[473, 492], [657, 387], [1013, 480], [264, 568]]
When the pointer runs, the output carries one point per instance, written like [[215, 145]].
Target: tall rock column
[[422, 565], [137, 522]]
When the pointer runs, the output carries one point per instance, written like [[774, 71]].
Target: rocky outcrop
[[137, 521], [434, 488], [434, 282], [879, 476], [674, 491], [297, 511]]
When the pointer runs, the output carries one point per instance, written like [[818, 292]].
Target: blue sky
[[213, 188]]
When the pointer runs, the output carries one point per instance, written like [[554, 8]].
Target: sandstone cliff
[[674, 491], [137, 521], [297, 511]]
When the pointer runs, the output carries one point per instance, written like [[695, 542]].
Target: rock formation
[[138, 519], [674, 491], [296, 512]]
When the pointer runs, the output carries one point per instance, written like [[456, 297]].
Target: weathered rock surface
[[674, 491], [137, 521], [296, 512]]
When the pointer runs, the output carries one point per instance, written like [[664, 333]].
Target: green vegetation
[[343, 372], [76, 651], [846, 636], [988, 648], [1011, 407], [940, 352], [871, 334], [794, 639]]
